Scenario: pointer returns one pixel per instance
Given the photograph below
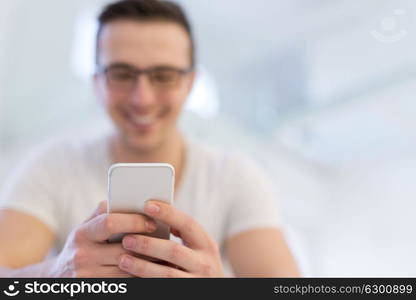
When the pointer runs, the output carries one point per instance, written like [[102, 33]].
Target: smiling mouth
[[143, 123], [143, 120]]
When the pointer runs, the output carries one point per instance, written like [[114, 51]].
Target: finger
[[102, 227], [143, 268], [109, 254], [164, 250], [99, 255], [189, 230]]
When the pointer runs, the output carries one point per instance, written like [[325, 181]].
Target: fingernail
[[150, 226], [151, 209], [129, 242], [126, 262]]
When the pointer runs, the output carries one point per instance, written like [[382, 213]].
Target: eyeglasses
[[123, 77]]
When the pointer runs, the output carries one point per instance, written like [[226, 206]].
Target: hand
[[198, 257], [87, 253]]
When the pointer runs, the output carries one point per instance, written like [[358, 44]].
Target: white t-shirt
[[62, 184]]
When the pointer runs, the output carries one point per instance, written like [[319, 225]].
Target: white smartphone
[[130, 185]]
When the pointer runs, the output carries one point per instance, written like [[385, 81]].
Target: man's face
[[144, 108]]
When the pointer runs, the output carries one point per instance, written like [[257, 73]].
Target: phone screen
[[130, 185]]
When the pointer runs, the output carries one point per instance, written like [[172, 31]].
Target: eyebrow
[[129, 66]]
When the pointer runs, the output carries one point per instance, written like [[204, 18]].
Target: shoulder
[[53, 156], [228, 164]]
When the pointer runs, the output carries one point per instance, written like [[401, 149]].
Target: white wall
[[4, 29]]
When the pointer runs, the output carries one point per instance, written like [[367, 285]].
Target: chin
[[143, 138]]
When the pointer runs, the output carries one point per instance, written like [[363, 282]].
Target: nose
[[143, 94]]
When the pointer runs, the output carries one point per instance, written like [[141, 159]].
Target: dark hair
[[145, 10]]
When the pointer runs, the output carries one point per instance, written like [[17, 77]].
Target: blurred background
[[321, 93]]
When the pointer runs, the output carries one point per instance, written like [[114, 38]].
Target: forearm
[[42, 269], [261, 253]]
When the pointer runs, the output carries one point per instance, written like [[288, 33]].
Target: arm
[[86, 252], [25, 241], [37, 270], [261, 253]]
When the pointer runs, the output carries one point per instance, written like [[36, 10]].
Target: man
[[224, 207]]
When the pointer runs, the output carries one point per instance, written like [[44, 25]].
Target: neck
[[172, 151]]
